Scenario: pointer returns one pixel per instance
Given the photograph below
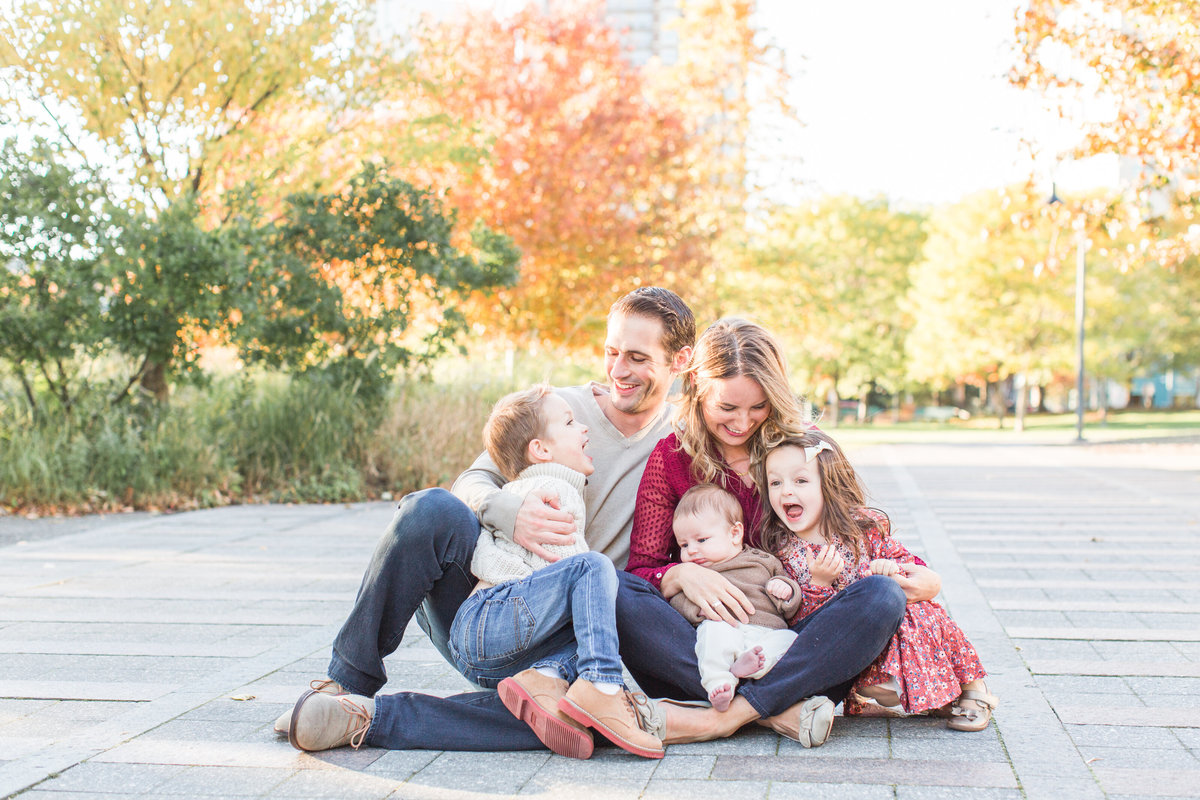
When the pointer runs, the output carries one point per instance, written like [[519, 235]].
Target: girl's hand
[[779, 589], [826, 566], [884, 566], [711, 591]]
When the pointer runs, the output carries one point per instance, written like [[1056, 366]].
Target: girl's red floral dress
[[929, 657]]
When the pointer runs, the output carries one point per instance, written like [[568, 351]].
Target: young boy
[[708, 529], [531, 627]]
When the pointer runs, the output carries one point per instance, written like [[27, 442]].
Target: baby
[[708, 528]]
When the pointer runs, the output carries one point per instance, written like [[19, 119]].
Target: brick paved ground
[[148, 656]]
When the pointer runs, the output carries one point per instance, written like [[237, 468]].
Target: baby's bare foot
[[748, 663], [720, 697]]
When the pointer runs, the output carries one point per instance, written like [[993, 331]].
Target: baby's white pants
[[718, 645]]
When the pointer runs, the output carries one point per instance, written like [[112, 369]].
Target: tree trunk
[[154, 381], [1022, 401]]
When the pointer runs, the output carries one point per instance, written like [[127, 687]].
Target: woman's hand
[[716, 597], [919, 583], [826, 566], [540, 521]]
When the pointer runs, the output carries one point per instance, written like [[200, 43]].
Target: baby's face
[[707, 537]]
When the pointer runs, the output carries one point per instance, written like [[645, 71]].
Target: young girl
[[827, 539]]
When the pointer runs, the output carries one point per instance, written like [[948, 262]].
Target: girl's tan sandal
[[974, 718]]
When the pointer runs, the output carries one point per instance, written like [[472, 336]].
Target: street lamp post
[[1080, 312]]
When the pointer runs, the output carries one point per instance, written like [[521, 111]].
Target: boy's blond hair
[[515, 421], [709, 497]]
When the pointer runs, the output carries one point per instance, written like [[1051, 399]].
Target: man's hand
[[540, 521], [716, 597], [827, 565], [884, 566], [779, 589], [919, 583]]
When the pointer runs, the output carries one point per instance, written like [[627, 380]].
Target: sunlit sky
[[906, 99]]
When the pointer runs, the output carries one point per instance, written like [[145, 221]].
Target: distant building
[[644, 26]]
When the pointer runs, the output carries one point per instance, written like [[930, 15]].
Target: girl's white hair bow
[[811, 452]]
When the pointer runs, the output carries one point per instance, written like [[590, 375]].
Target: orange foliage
[[1144, 57], [583, 169]]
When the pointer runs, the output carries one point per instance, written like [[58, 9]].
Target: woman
[[736, 400]]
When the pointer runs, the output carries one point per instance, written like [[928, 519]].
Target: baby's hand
[[779, 589], [826, 567], [884, 566]]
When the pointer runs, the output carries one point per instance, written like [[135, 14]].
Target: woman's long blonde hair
[[843, 498], [731, 347]]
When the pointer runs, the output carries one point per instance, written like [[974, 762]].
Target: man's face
[[639, 370]]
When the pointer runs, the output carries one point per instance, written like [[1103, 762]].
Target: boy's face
[[707, 537], [564, 440], [639, 369]]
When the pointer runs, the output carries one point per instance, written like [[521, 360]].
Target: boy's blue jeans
[[562, 617], [422, 566]]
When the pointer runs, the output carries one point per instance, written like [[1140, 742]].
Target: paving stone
[[1148, 782], [1120, 736], [206, 731], [605, 765], [1072, 684], [401, 764], [505, 773], [17, 746], [866, 770], [705, 789], [112, 778], [339, 784], [610, 788], [784, 790], [38, 794], [840, 746], [1175, 758], [223, 781], [982, 746], [1162, 669], [953, 793], [1173, 717]]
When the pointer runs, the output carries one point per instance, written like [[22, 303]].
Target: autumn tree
[[843, 266], [172, 92], [1141, 58], [993, 296], [587, 172]]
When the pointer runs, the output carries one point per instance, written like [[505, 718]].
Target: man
[[422, 563]]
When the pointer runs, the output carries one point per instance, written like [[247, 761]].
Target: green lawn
[[1039, 429]]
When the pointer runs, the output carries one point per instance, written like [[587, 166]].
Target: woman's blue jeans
[[562, 617]]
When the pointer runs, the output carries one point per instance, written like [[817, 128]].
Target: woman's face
[[734, 409]]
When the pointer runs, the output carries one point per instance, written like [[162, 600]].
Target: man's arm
[[530, 521], [479, 487]]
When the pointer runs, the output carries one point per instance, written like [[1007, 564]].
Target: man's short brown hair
[[515, 421], [709, 497], [655, 302]]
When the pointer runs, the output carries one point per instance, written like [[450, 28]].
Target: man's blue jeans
[[562, 617], [422, 566]]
